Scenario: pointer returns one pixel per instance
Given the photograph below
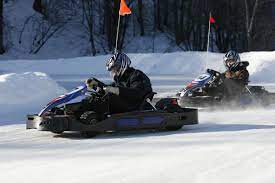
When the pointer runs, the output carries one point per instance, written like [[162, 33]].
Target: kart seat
[[147, 102]]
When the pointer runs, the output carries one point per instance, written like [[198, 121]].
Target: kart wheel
[[173, 128], [58, 132], [89, 134], [54, 125], [89, 118]]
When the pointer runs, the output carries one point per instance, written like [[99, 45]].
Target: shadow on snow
[[200, 128]]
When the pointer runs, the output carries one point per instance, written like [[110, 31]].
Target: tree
[[240, 25], [140, 18], [39, 7], [88, 12], [2, 50], [250, 17]]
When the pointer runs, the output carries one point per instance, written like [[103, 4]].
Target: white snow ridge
[[24, 93]]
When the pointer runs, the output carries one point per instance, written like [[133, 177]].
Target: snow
[[189, 64], [25, 93], [262, 65], [227, 146]]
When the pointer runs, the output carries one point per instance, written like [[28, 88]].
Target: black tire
[[173, 128], [89, 134], [89, 118], [57, 132], [56, 126]]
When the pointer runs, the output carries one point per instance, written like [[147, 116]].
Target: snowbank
[[262, 65], [189, 64], [25, 93]]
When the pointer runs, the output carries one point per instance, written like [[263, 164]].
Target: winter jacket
[[239, 73], [133, 86]]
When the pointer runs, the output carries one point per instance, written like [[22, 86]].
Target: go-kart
[[165, 115], [206, 91]]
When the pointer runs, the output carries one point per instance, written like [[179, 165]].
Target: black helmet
[[118, 64], [231, 58]]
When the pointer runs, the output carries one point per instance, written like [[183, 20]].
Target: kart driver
[[126, 93], [236, 75]]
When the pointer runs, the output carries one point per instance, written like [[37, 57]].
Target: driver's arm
[[230, 75], [238, 75], [136, 91]]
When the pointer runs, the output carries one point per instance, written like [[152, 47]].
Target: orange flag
[[124, 9]]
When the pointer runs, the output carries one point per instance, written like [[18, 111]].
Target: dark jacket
[[239, 73], [235, 80], [134, 85]]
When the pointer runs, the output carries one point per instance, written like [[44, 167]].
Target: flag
[[124, 9], [212, 20]]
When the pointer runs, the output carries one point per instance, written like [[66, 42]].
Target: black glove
[[92, 84], [111, 89], [239, 66], [213, 72], [209, 71]]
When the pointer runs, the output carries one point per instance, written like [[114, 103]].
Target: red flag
[[212, 20], [124, 9]]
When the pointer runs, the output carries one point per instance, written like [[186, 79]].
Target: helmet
[[118, 64], [231, 58]]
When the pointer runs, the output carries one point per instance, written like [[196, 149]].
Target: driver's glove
[[230, 75], [111, 89], [91, 84], [208, 70], [211, 71]]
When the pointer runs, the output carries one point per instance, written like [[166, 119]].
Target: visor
[[110, 64], [230, 62]]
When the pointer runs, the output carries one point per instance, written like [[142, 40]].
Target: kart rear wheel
[[88, 134], [173, 128], [57, 132]]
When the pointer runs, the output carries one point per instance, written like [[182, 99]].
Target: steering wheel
[[211, 71]]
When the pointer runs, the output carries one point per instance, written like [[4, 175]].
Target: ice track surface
[[224, 147]]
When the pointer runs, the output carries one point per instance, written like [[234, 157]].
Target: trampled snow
[[227, 146]]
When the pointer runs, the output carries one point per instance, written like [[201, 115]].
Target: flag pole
[[209, 30], [117, 32], [123, 10]]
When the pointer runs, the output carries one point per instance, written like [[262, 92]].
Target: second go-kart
[[206, 92]]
